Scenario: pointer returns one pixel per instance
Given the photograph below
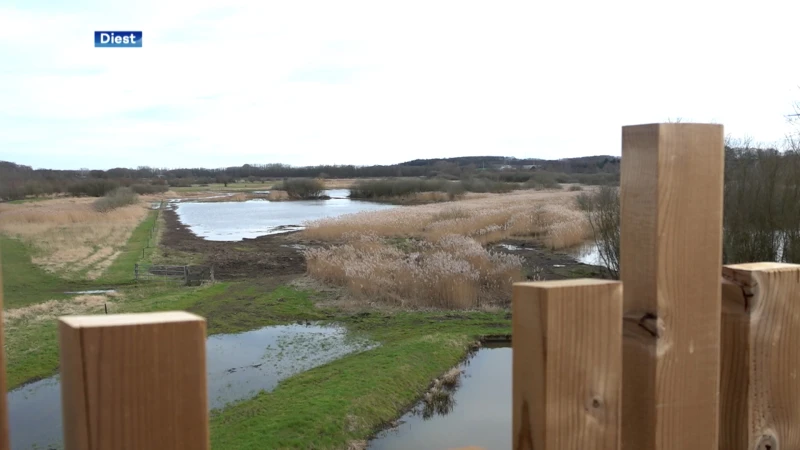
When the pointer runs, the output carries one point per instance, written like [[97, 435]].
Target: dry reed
[[433, 255], [68, 237]]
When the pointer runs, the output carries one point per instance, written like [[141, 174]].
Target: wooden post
[[134, 381], [136, 272], [567, 365], [186, 275], [212, 273], [5, 442], [671, 255], [760, 357]]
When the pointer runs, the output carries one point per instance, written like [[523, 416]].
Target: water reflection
[[238, 367], [477, 411], [233, 221]]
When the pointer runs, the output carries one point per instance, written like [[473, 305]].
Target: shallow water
[[238, 367], [480, 414], [587, 253], [233, 221]]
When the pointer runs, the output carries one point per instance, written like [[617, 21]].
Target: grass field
[[67, 237]]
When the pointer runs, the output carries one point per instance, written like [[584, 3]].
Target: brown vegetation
[[68, 236], [432, 255]]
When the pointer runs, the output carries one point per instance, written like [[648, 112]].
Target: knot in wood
[[767, 442]]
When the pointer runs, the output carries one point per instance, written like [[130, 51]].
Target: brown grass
[[52, 309], [68, 236], [432, 255]]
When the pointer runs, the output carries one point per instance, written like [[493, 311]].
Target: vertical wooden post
[[134, 381], [5, 442], [671, 255], [136, 272], [760, 357], [567, 365], [186, 275], [212, 273]]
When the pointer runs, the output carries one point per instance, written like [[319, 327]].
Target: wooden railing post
[[134, 382], [567, 365], [671, 254], [760, 389]]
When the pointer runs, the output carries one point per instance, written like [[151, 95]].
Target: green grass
[[32, 347], [349, 399], [25, 283], [121, 270]]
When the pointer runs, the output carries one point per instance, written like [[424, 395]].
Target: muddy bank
[[266, 256], [545, 264]]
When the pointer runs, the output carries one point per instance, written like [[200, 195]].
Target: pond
[[478, 413], [238, 367], [233, 221]]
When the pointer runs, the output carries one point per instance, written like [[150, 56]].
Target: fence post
[[186, 275], [136, 272], [134, 381], [5, 442], [760, 357], [567, 365], [212, 273], [670, 258]]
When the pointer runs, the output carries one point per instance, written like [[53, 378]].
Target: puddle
[[234, 221], [93, 292], [510, 247], [587, 253], [478, 413], [238, 367]]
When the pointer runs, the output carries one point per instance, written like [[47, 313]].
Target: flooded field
[[238, 366], [477, 413], [233, 221]]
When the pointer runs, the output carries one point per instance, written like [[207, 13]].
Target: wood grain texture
[[567, 365], [671, 255], [134, 382], [760, 357], [4, 437]]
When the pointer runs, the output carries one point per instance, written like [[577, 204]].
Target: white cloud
[[371, 82]]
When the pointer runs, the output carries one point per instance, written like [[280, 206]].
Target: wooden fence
[[189, 275], [682, 353]]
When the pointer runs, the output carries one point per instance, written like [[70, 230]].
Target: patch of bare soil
[[266, 256]]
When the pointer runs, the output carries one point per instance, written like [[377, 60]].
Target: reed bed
[[433, 255], [68, 236]]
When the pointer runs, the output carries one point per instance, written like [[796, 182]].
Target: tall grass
[[432, 255]]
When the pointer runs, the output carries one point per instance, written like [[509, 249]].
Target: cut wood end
[[558, 284], [119, 320], [760, 267]]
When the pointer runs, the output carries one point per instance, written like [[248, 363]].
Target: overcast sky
[[229, 82]]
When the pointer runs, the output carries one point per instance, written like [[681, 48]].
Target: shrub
[[116, 199], [542, 180], [575, 188], [602, 211], [303, 188]]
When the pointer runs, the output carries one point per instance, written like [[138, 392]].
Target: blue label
[[117, 38]]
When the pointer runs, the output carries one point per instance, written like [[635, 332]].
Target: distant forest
[[19, 181]]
